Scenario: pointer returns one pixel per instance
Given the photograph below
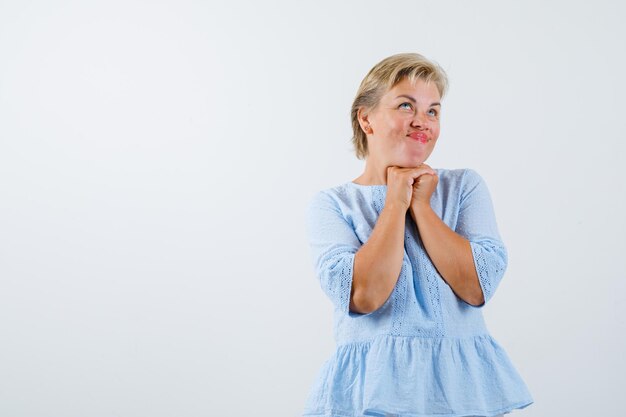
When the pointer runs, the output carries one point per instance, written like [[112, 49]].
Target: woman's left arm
[[472, 259], [451, 254]]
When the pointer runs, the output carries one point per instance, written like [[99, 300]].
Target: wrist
[[395, 208], [419, 207]]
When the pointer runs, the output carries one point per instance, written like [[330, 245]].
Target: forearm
[[378, 262], [450, 253]]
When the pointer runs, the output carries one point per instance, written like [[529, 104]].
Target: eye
[[436, 112], [406, 102]]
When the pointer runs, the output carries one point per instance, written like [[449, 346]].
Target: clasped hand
[[411, 187]]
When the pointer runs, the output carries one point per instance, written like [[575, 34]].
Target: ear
[[363, 117]]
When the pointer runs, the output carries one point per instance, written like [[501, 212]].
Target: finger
[[427, 167], [421, 171]]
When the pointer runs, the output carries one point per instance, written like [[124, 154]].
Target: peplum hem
[[412, 376]]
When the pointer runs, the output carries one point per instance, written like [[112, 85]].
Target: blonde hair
[[384, 76]]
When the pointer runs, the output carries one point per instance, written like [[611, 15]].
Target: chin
[[412, 162]]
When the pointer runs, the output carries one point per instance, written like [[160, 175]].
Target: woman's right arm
[[378, 262], [360, 276]]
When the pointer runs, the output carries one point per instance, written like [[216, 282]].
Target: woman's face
[[404, 127]]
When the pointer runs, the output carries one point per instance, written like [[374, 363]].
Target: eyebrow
[[414, 101]]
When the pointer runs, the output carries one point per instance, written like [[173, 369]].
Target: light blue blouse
[[425, 352]]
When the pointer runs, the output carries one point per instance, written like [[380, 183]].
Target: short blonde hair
[[384, 76]]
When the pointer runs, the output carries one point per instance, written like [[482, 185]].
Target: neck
[[375, 173]]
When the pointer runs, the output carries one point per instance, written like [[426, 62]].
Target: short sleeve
[[333, 245], [477, 223]]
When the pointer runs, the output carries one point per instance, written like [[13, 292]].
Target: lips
[[422, 137]]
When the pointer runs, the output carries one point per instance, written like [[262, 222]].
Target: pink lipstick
[[419, 136]]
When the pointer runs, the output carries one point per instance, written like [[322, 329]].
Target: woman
[[409, 255]]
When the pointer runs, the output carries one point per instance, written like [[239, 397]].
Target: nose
[[419, 121]]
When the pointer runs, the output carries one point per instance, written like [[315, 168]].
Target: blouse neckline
[[354, 184]]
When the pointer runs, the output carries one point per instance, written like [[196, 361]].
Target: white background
[[156, 159]]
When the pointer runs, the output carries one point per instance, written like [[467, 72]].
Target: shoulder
[[458, 183], [335, 196], [328, 199], [471, 186], [457, 174], [320, 198], [457, 178], [472, 180]]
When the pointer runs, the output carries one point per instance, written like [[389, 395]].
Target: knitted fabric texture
[[425, 352]]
